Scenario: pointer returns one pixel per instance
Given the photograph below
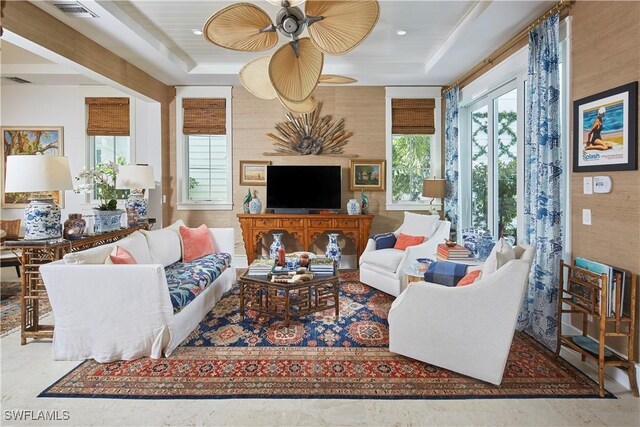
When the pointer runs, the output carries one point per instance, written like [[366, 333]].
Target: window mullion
[[492, 193]]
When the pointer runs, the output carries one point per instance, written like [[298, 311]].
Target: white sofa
[[112, 312], [384, 269], [464, 329]]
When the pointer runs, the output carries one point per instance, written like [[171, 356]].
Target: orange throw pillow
[[405, 240], [196, 242], [122, 256], [469, 278]]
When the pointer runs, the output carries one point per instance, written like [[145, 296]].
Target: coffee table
[[258, 293]]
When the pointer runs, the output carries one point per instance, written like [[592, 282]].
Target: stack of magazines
[[321, 265], [261, 267]]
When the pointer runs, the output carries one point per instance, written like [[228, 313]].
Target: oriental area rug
[[10, 307], [315, 357]]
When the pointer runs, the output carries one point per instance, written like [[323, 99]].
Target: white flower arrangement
[[103, 178]]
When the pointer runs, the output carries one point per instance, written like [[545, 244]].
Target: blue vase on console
[[485, 245], [275, 246], [333, 249]]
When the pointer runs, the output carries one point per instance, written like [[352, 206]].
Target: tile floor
[[27, 370]]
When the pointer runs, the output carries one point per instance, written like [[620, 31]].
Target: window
[[108, 128], [413, 145], [207, 165], [204, 156], [410, 165], [115, 149]]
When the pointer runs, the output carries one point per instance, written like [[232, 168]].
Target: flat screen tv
[[304, 188]]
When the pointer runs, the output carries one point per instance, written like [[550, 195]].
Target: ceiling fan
[[294, 70]]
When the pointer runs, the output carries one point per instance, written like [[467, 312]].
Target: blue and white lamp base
[[136, 207], [42, 220]]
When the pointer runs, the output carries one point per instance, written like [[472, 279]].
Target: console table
[[304, 228], [37, 252]]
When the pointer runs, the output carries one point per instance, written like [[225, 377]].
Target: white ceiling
[[444, 39]]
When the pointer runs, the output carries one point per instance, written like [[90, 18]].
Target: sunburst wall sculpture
[[310, 134]]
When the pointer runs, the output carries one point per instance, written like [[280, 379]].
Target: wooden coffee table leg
[[287, 308], [242, 300], [336, 299]]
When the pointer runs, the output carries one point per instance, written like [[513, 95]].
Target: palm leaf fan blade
[[238, 26], [345, 23], [294, 77], [255, 78], [336, 79], [306, 106]]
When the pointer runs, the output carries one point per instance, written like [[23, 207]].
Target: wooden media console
[[305, 228]]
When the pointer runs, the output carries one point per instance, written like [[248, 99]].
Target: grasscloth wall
[[605, 55], [364, 111]]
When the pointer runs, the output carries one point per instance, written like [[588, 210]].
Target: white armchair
[[384, 269], [464, 329]]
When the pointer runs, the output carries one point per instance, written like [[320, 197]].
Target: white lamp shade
[[32, 173], [134, 177]]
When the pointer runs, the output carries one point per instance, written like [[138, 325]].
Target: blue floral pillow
[[384, 240]]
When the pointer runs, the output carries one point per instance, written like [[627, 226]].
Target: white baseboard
[[618, 375]]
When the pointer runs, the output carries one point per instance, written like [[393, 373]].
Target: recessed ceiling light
[[197, 32], [401, 32]]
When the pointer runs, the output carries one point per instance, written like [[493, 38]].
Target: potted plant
[[102, 178]]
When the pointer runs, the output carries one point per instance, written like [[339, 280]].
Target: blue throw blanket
[[445, 273]]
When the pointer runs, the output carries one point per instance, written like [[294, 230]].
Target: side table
[[34, 253]]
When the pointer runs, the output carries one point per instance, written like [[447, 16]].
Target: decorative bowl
[[450, 243]]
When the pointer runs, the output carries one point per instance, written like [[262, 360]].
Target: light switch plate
[[586, 216], [587, 185]]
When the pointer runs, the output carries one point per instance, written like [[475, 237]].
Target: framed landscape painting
[[366, 175], [605, 130], [253, 172], [29, 140]]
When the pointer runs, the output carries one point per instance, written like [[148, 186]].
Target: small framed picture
[[366, 175], [253, 172], [605, 130]]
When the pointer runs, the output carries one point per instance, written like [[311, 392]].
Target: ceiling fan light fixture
[[197, 32], [285, 3]]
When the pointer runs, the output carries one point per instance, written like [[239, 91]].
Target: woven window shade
[[108, 116], [413, 116], [204, 116]]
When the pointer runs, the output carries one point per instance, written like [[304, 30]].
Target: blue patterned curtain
[[543, 183], [451, 163]]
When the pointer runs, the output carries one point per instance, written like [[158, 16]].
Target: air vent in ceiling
[[17, 80], [75, 9]]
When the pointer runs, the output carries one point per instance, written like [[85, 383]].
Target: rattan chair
[[11, 231]]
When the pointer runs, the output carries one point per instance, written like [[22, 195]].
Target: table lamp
[[39, 174], [136, 178], [435, 189]]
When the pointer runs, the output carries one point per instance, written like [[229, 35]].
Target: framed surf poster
[[605, 130]]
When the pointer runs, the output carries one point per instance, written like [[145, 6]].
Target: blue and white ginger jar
[[42, 220], [353, 207], [255, 206]]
